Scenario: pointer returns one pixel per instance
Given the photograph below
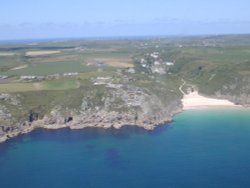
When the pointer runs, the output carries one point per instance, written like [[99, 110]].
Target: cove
[[200, 148]]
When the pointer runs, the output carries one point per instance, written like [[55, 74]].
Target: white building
[[169, 63]]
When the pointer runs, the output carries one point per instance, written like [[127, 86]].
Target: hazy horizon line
[[61, 39]]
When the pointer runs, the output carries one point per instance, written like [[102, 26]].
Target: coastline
[[194, 100], [189, 101], [78, 124]]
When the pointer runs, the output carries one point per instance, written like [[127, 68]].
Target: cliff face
[[117, 82], [118, 107], [237, 91]]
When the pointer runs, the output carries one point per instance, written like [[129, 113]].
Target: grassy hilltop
[[137, 77]]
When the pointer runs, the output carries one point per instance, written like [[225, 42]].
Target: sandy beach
[[195, 101]]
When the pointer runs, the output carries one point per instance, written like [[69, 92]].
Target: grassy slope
[[224, 61]]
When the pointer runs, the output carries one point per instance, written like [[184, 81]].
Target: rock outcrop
[[101, 118]]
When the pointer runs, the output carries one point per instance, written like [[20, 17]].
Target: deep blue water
[[205, 148]]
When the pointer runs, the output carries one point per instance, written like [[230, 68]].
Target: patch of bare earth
[[38, 86], [114, 62], [42, 52]]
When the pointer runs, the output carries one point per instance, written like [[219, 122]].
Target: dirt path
[[19, 67], [181, 86]]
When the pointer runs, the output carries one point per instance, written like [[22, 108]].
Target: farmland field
[[136, 76], [62, 84], [50, 68]]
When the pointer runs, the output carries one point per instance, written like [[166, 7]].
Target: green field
[[62, 84], [217, 66], [49, 68]]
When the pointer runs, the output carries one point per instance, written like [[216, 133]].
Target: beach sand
[[195, 101]]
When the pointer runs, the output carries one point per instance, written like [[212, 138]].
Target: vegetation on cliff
[[117, 82]]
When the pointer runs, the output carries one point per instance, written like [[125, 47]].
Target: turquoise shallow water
[[205, 148]]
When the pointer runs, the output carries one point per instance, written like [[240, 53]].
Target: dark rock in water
[[112, 153], [114, 159]]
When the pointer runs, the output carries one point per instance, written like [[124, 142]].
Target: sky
[[27, 19]]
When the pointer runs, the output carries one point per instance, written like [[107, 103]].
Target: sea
[[199, 149]]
